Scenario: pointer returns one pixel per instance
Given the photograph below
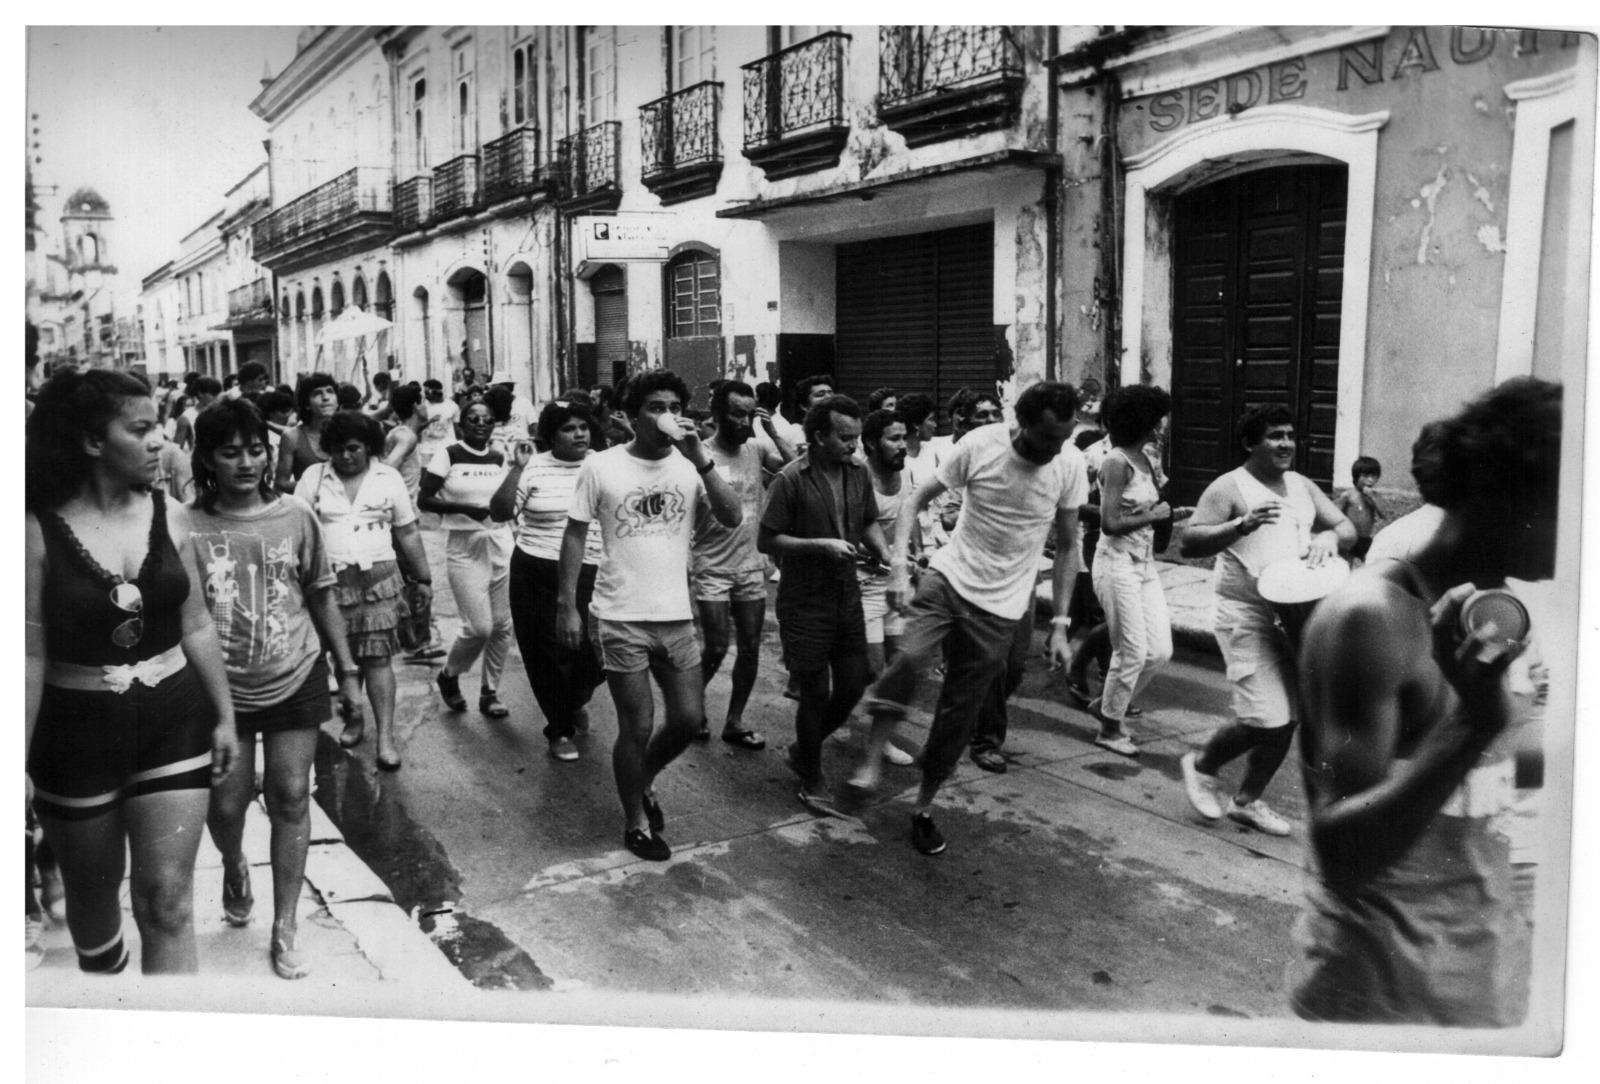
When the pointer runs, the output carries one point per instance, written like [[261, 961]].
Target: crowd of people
[[226, 565]]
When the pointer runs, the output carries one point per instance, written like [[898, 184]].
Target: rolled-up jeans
[[1129, 590], [979, 642]]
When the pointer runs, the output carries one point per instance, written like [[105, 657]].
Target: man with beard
[[820, 515], [978, 588], [730, 574]]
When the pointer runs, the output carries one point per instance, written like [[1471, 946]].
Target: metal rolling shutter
[[610, 289], [914, 312]]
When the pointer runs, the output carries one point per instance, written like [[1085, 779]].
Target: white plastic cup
[[668, 424]]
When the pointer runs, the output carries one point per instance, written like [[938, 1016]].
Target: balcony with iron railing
[[794, 120], [588, 168], [345, 215], [941, 82], [413, 203], [455, 187], [250, 305], [681, 143], [511, 166]]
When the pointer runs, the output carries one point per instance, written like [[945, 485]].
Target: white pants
[[479, 566], [1129, 590]]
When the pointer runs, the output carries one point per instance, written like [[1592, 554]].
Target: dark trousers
[[563, 680], [975, 644], [991, 731]]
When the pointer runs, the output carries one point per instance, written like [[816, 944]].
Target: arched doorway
[[609, 288], [419, 310], [519, 331], [1258, 277], [383, 297], [358, 292], [470, 343]]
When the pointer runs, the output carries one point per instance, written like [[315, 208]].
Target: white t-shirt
[[646, 512], [358, 532], [1009, 505], [469, 478], [441, 422]]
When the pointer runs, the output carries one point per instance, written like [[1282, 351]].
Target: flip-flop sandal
[[1119, 745], [744, 739], [1133, 712]]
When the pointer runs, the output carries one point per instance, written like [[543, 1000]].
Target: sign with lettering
[[621, 237], [1412, 52]]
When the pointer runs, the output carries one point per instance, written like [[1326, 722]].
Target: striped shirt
[[544, 499], [469, 478]]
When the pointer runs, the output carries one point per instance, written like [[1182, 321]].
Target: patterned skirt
[[373, 604]]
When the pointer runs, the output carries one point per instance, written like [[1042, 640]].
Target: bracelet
[[1061, 621], [354, 671]]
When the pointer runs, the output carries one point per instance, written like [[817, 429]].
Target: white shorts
[[881, 621], [1260, 664]]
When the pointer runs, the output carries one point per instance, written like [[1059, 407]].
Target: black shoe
[[925, 835], [489, 704], [989, 760], [647, 845], [652, 810], [704, 733], [1078, 689], [450, 689]]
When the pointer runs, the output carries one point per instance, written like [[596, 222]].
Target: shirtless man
[[1252, 517], [1408, 732]]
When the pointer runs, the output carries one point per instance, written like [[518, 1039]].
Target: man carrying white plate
[[1251, 518]]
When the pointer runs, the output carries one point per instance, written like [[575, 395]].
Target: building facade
[[1237, 213], [71, 280], [1369, 224]]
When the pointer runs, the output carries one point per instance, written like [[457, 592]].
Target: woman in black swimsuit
[[127, 707]]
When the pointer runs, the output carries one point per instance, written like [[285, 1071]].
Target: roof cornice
[[331, 50]]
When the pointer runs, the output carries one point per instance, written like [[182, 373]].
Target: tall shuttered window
[[695, 280]]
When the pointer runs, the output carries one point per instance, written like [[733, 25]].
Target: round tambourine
[[1293, 588], [1293, 582]]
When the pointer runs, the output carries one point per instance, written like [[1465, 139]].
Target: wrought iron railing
[[328, 206], [255, 297], [589, 158], [795, 88], [511, 164], [681, 129], [919, 60], [413, 203], [455, 186]]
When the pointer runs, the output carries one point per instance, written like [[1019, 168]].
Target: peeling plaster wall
[[1439, 214]]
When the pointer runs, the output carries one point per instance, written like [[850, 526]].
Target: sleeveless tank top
[[81, 615], [1239, 566], [306, 452], [1140, 492]]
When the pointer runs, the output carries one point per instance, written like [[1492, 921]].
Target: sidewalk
[[1189, 602], [369, 958]]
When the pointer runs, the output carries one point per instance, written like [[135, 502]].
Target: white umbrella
[[347, 338]]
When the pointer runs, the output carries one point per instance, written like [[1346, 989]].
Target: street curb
[[359, 900], [1190, 603]]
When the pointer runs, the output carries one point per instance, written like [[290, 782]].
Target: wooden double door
[[1258, 275]]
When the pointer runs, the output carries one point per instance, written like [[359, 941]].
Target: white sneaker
[[896, 755], [1258, 816], [1204, 791]]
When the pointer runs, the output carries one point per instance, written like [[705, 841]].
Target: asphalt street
[[1076, 880]]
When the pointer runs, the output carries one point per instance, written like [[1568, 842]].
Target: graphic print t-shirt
[[257, 570], [646, 512]]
